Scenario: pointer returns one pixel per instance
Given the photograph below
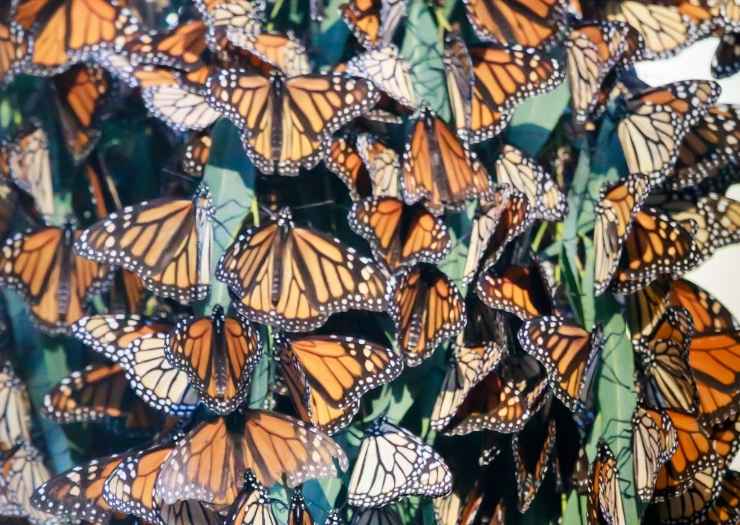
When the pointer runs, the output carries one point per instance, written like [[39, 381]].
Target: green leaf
[[535, 118], [423, 48]]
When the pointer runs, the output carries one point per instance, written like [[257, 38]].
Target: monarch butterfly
[[181, 48], [166, 242], [252, 506], [14, 51], [714, 218], [345, 162], [55, 283], [111, 335], [725, 507], [594, 50], [154, 379], [219, 354], [400, 235], [15, 410], [503, 79], [694, 503], [438, 168], [666, 27], [503, 400], [244, 16], [96, 392], [304, 453], [726, 60], [707, 147], [77, 494], [197, 152], [459, 78], [316, 277], [383, 165], [383, 516], [14, 203], [526, 23], [297, 512], [531, 463], [468, 366], [519, 290], [715, 363], [390, 73], [604, 495], [662, 357], [394, 463], [707, 313], [327, 375], [29, 167], [333, 518], [190, 512], [427, 309], [284, 52], [656, 246], [500, 217], [267, 109], [180, 104], [22, 472], [546, 200], [580, 476], [680, 106], [73, 31], [654, 442], [613, 222], [570, 354], [373, 22]]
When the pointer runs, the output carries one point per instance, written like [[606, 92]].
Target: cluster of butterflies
[[521, 371]]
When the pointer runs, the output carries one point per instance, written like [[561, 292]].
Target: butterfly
[[181, 48], [238, 16], [503, 399], [55, 282], [663, 362], [373, 22], [680, 106], [22, 472], [81, 92], [666, 27], [196, 154], [709, 146], [400, 235], [726, 60], [715, 364], [383, 165], [15, 409], [468, 366], [268, 108], [393, 463], [692, 505], [327, 375], [317, 276], [29, 167], [14, 51], [725, 507], [594, 50], [283, 51], [604, 495], [459, 78], [111, 335], [273, 446], [219, 354], [570, 354], [708, 314], [654, 441], [390, 73], [613, 221], [252, 506], [297, 512], [503, 79], [166, 242], [382, 516], [499, 218], [438, 168], [525, 23], [77, 494], [546, 200], [190, 512], [519, 290], [344, 161], [69, 32], [531, 463], [98, 391], [657, 246], [426, 309]]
